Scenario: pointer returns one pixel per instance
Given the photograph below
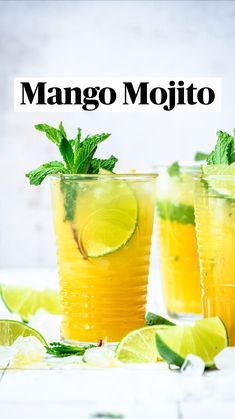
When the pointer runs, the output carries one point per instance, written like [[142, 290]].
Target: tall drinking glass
[[215, 220], [177, 243], [103, 225]]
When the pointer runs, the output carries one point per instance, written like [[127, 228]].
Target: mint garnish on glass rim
[[224, 150], [78, 158], [174, 169]]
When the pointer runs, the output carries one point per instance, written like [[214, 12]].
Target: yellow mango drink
[[103, 254], [103, 225], [215, 220], [177, 241]]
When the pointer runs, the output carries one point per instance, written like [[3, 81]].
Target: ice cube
[[27, 350], [47, 324], [225, 360], [193, 366], [101, 357]]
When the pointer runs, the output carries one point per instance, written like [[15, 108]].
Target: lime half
[[223, 186], [25, 301], [10, 330], [206, 338], [139, 346], [106, 216]]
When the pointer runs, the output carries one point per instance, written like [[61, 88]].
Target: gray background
[[102, 38]]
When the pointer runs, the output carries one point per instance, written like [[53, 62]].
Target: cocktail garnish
[[77, 155], [61, 350], [174, 169], [200, 156], [78, 158], [224, 150]]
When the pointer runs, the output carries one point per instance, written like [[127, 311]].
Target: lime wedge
[[205, 338], [218, 169], [139, 346], [10, 330], [224, 186], [25, 301], [106, 216]]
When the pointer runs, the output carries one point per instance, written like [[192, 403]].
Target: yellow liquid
[[216, 238], [104, 297], [179, 267]]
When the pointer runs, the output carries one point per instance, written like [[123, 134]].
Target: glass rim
[[186, 168], [202, 176], [121, 176]]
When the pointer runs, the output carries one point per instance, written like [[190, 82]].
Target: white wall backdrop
[[99, 38]]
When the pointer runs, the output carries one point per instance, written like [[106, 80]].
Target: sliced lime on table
[[25, 301], [224, 186], [139, 346], [205, 338], [10, 330], [106, 216]]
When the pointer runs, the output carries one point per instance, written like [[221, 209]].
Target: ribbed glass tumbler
[[103, 226], [215, 221]]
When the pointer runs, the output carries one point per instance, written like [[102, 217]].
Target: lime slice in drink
[[25, 301], [10, 330], [139, 346], [106, 216], [224, 186], [205, 338]]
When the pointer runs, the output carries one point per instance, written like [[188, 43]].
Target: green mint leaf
[[77, 145], [66, 152], [69, 190], [62, 130], [224, 149], [154, 319], [232, 159], [51, 132], [86, 152], [71, 142], [77, 156], [60, 350], [200, 156], [107, 164], [174, 169], [181, 213], [36, 176]]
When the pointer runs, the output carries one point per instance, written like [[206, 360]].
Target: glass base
[[111, 345], [186, 317]]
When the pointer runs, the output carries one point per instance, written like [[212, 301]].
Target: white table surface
[[137, 392]]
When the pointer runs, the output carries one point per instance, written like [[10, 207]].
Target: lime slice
[[106, 216], [25, 301], [10, 330], [139, 346], [218, 169], [206, 338], [224, 186]]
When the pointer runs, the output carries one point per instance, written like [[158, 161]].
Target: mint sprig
[[36, 176], [200, 156], [108, 164], [61, 350], [174, 169], [224, 150], [181, 213], [78, 158]]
